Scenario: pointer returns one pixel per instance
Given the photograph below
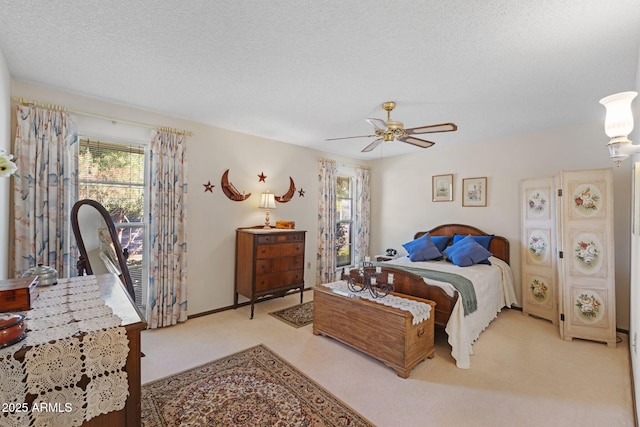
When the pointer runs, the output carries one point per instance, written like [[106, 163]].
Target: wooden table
[[385, 333]]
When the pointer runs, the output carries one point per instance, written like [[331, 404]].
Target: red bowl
[[12, 329]]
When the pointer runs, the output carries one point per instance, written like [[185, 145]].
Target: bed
[[493, 286]]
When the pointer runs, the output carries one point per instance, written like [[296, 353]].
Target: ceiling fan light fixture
[[390, 130], [393, 125]]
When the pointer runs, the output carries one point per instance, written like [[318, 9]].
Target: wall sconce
[[618, 124], [267, 201]]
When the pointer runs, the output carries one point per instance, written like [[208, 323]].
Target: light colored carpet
[[521, 373]]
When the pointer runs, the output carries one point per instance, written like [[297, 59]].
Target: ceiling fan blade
[[442, 127], [373, 145], [422, 143], [350, 137], [378, 124]]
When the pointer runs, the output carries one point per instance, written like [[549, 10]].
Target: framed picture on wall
[[474, 191], [442, 188]]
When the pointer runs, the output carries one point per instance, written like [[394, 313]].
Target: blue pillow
[[422, 249], [467, 252], [441, 242], [409, 245], [485, 241]]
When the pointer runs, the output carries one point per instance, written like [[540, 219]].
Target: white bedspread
[[494, 290]]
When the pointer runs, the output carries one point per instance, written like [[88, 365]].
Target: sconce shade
[[267, 201], [618, 124], [619, 119]]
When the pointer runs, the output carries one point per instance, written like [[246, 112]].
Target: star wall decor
[[208, 187], [301, 193], [262, 177]]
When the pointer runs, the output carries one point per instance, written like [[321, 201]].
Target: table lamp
[[267, 201]]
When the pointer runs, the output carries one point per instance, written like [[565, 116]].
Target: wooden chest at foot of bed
[[385, 333]]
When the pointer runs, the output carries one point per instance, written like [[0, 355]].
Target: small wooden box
[[286, 224], [383, 332], [18, 294]]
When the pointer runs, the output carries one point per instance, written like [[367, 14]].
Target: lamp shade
[[618, 122], [267, 201]]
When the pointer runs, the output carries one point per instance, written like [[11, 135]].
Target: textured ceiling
[[301, 72]]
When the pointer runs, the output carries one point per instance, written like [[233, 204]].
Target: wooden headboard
[[499, 245]]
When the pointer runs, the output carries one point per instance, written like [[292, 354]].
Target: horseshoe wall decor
[[230, 190], [289, 194]]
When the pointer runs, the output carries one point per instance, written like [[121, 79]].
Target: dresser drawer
[[280, 238], [272, 265], [281, 250], [277, 280]]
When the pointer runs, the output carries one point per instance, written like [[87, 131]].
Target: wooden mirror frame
[[84, 266]]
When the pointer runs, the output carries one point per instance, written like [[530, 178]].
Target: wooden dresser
[[268, 262], [115, 297]]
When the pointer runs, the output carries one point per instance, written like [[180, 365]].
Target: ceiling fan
[[392, 130]]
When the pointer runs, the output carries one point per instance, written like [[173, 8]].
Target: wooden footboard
[[411, 284]]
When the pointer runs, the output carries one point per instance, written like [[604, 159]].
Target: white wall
[[5, 144], [399, 214], [211, 217], [634, 300]]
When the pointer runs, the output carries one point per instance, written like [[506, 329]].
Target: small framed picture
[[474, 191], [442, 188]]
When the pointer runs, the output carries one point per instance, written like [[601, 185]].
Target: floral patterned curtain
[[362, 213], [326, 253], [167, 301], [44, 190]]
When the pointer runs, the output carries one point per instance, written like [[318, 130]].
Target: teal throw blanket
[[462, 284]]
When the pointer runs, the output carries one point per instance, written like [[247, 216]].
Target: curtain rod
[[321, 159], [53, 107]]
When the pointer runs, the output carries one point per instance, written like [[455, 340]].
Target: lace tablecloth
[[70, 367], [419, 310]]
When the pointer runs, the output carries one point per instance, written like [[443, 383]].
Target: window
[[114, 175], [344, 218]]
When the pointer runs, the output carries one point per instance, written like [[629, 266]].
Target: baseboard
[[242, 304]]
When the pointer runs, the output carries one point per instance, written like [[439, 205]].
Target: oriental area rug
[[297, 316], [254, 387]]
